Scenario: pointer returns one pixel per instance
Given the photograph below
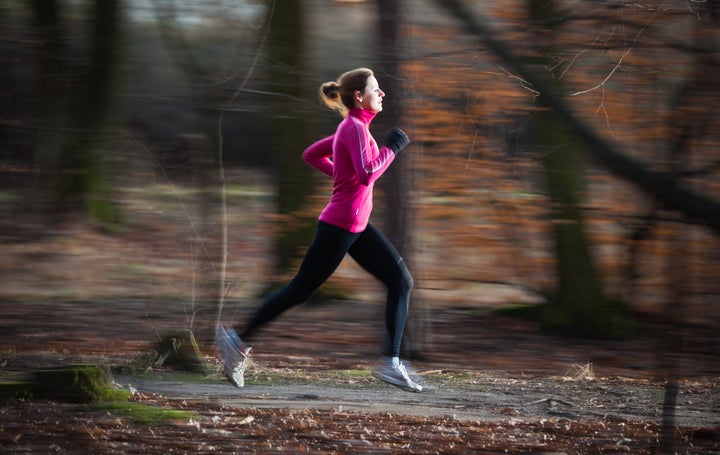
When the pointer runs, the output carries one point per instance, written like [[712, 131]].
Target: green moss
[[141, 414], [76, 384], [180, 351]]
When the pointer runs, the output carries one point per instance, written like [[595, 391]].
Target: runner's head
[[355, 88]]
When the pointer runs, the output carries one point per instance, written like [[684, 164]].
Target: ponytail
[[330, 95]]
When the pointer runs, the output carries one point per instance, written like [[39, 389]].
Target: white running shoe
[[234, 353], [396, 375]]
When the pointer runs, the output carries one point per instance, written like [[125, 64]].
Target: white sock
[[392, 361]]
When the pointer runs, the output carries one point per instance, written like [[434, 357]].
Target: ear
[[358, 96]]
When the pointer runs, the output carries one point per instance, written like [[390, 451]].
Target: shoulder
[[350, 128]]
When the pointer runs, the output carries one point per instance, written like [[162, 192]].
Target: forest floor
[[494, 383], [505, 389]]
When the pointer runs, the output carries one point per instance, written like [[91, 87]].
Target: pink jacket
[[354, 161]]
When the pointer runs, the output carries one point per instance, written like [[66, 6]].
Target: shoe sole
[[416, 388]]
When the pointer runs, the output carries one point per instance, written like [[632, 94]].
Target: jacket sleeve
[[319, 155], [369, 161]]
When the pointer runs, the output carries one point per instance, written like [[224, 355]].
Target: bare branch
[[620, 61], [664, 186]]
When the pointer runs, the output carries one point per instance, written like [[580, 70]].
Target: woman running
[[354, 161]]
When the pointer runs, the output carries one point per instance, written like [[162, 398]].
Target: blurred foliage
[[641, 78]]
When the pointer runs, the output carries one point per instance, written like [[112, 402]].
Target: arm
[[369, 161], [319, 155]]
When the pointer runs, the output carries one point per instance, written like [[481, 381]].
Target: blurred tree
[[83, 180], [671, 192], [579, 306], [693, 120], [398, 181], [48, 95], [294, 179]]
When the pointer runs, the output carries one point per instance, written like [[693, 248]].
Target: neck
[[363, 114]]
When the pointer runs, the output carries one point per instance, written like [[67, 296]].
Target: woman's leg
[[322, 258], [378, 256]]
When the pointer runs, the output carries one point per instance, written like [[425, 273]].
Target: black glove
[[396, 140]]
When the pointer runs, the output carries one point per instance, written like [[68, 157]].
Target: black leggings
[[372, 251]]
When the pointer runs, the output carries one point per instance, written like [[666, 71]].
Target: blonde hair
[[339, 95]]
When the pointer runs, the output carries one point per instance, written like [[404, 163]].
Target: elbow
[[367, 178], [306, 156]]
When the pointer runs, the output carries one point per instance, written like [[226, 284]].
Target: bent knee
[[406, 279]]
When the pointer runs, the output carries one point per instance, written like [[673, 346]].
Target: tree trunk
[[50, 91], [398, 180], [83, 180], [294, 179], [579, 306]]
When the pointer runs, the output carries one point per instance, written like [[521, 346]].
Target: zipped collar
[[363, 115]]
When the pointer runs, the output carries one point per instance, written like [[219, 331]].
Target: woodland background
[[564, 159], [558, 207]]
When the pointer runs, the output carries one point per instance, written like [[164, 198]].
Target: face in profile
[[371, 99]]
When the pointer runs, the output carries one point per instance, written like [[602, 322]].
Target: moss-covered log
[[76, 384]]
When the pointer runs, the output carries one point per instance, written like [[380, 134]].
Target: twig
[[223, 288], [548, 400], [620, 61]]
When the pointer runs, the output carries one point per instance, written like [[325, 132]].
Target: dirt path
[[471, 397]]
